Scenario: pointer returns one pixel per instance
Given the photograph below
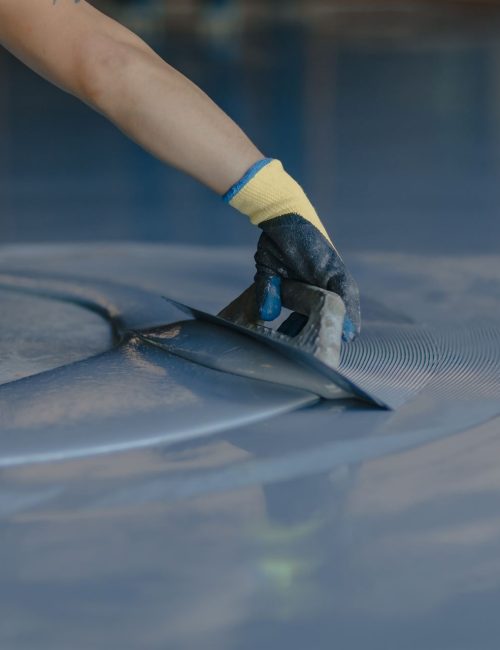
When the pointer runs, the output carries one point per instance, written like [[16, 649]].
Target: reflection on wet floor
[[390, 119], [398, 552]]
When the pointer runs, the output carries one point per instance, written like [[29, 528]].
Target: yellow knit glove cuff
[[271, 193]]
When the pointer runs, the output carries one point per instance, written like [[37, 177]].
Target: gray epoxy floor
[[334, 524], [181, 507]]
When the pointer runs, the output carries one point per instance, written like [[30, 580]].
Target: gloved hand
[[294, 243], [291, 247]]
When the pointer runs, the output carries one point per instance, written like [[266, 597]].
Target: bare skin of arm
[[93, 57]]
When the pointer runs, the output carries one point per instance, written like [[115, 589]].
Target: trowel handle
[[325, 312], [307, 299], [243, 310], [296, 296]]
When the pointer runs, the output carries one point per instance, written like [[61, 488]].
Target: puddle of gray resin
[[38, 334], [91, 385], [204, 509]]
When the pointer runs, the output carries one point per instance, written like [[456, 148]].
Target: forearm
[[95, 58], [111, 69], [169, 116]]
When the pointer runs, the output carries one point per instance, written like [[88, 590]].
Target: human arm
[[97, 59], [111, 69]]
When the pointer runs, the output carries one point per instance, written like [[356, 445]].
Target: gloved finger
[[345, 286], [268, 288], [349, 330], [352, 322]]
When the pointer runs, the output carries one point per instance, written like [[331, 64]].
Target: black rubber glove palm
[[291, 247]]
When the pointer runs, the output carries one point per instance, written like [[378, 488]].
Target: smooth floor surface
[[209, 510]]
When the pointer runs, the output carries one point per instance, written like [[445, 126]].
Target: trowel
[[302, 352]]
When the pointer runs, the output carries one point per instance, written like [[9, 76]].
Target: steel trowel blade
[[292, 352]]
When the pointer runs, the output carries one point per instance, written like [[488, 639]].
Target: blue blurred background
[[388, 113]]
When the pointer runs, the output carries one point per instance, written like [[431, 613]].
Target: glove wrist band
[[266, 191]]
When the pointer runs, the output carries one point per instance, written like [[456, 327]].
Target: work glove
[[294, 243], [292, 247]]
